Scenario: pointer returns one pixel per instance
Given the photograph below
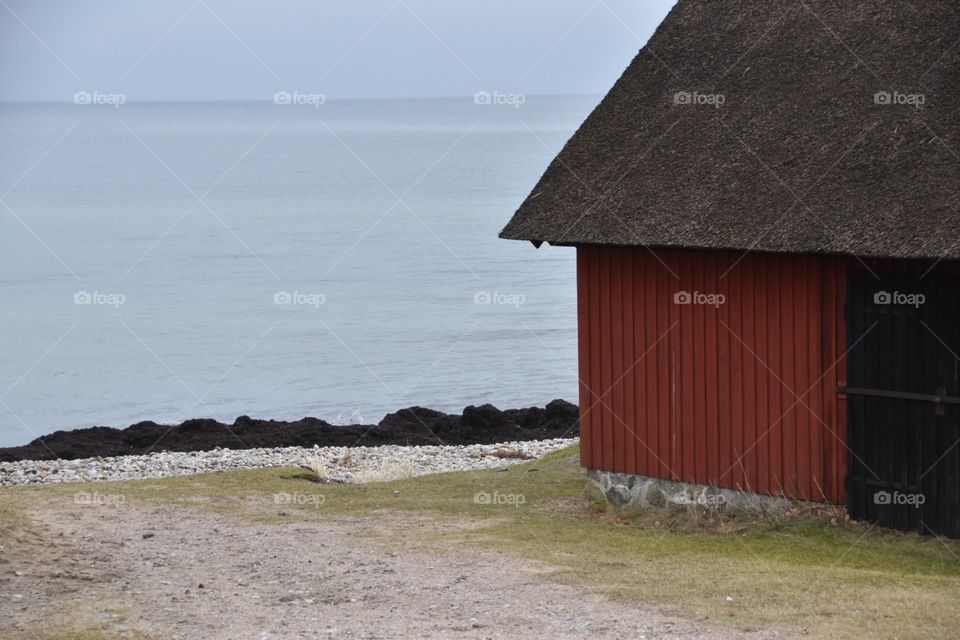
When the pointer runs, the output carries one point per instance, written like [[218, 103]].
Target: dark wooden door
[[903, 400]]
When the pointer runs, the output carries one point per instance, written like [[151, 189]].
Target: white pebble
[[364, 464]]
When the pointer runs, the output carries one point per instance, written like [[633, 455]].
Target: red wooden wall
[[739, 395]]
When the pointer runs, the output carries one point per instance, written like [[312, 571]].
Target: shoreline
[[412, 426], [335, 464]]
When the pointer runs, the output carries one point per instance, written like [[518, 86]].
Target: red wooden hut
[[766, 215]]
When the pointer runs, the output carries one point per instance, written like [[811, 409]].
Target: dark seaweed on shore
[[412, 426]]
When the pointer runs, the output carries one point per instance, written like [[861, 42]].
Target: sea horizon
[[213, 209], [329, 98]]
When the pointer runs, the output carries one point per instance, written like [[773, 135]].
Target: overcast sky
[[249, 49]]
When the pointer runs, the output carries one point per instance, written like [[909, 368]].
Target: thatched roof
[[802, 157]]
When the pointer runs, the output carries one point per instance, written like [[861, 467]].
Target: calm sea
[[172, 260]]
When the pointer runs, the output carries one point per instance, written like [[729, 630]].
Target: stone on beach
[[341, 464]]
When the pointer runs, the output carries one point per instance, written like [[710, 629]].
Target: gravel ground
[[184, 574], [341, 464]]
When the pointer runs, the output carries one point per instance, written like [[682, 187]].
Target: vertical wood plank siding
[[740, 394]]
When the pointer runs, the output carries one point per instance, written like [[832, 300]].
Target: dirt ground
[[189, 573]]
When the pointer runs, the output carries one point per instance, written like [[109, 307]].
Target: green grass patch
[[803, 575]]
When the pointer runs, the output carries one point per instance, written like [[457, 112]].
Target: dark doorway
[[903, 332]]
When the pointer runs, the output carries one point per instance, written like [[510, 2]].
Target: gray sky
[[249, 49]]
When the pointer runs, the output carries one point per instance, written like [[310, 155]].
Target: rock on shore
[[413, 426]]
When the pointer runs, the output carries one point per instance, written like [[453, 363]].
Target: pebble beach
[[336, 464]]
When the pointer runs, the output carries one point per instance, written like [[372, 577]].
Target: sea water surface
[[165, 261]]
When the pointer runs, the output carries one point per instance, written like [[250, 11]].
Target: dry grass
[[809, 573], [386, 472], [318, 470]]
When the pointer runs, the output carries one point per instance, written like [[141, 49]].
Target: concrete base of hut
[[626, 492]]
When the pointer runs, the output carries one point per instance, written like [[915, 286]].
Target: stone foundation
[[629, 492]]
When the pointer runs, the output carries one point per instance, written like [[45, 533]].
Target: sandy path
[[292, 580]]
